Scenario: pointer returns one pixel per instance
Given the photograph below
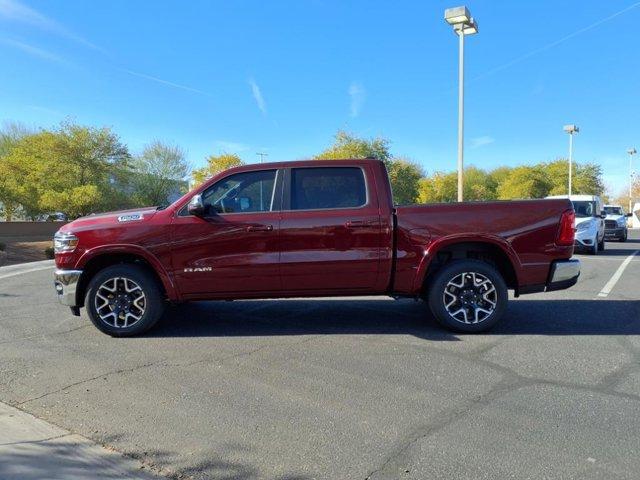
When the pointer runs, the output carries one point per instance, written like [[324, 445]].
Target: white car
[[589, 222], [615, 224]]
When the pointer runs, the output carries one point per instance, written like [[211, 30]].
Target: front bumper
[[617, 232], [66, 284], [563, 274]]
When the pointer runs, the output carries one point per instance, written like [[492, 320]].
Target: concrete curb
[[31, 448]]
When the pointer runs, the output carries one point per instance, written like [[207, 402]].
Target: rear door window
[[327, 188]]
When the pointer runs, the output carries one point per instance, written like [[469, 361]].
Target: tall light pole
[[463, 24], [571, 130], [631, 152]]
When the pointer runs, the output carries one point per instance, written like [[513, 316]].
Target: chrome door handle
[[259, 228], [361, 224]]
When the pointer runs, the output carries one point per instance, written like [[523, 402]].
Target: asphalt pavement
[[366, 388]]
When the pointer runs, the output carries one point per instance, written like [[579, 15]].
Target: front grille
[[610, 224]]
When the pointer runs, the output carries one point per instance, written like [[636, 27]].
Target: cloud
[[233, 147], [257, 95], [14, 11], [477, 142], [166, 82], [33, 51], [357, 94]]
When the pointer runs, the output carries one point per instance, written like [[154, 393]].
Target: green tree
[[479, 185], [346, 145], [73, 169], [586, 177], [405, 176], [10, 134], [160, 172], [525, 182], [215, 165], [440, 187]]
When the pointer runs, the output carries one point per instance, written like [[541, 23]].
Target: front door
[[234, 247], [330, 231]]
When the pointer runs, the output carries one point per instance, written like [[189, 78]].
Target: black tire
[[624, 236], [153, 302], [593, 249], [601, 245], [436, 295]]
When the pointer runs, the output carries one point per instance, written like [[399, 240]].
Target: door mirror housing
[[196, 206], [629, 215], [603, 214]]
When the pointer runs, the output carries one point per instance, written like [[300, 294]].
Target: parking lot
[[345, 388]]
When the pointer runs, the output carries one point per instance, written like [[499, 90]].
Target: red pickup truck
[[310, 229]]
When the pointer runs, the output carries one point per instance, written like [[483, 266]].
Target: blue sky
[[284, 76]]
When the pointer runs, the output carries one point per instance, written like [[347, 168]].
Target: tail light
[[567, 231]]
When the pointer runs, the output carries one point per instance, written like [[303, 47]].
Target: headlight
[[621, 222], [64, 242], [582, 226]]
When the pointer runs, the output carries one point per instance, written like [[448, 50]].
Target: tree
[[443, 187], [405, 176], [10, 135], [525, 182], [215, 165], [440, 187], [159, 173], [347, 145], [73, 169], [586, 177]]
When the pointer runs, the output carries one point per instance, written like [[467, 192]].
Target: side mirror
[[196, 206], [629, 215], [603, 214]]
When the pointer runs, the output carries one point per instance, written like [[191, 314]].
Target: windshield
[[614, 210], [584, 208]]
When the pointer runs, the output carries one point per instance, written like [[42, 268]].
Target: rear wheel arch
[[488, 252]]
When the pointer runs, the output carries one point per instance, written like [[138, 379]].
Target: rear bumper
[[66, 285], [563, 274]]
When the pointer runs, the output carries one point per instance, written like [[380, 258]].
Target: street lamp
[[571, 130], [463, 24], [631, 152]]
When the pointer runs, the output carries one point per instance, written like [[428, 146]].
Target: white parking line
[[12, 270], [616, 276]]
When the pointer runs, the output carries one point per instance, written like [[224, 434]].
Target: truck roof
[[589, 198], [307, 162]]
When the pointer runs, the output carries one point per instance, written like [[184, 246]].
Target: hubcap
[[120, 302], [470, 297]]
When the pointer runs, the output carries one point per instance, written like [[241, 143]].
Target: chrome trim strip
[[66, 282]]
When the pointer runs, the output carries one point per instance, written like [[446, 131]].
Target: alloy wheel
[[120, 302], [470, 297]]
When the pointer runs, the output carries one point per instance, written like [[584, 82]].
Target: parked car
[[589, 222], [311, 229], [615, 223]]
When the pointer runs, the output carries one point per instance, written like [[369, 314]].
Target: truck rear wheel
[[467, 296], [124, 300]]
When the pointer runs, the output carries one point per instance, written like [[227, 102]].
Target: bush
[[49, 253], [3, 247]]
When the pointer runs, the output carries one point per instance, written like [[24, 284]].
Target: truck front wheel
[[467, 296], [123, 300]]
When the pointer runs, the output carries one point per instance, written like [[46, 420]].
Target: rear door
[[234, 247], [330, 230]]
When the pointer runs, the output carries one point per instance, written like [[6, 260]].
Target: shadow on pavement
[[375, 317]]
